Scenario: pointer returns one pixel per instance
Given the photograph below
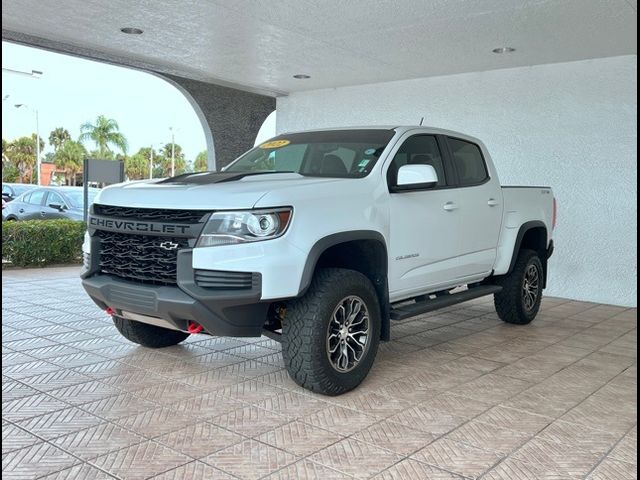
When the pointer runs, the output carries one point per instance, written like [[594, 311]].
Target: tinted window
[[76, 197], [36, 197], [55, 198], [330, 153], [468, 161], [418, 150]]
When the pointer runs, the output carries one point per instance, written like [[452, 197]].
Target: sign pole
[[85, 188]]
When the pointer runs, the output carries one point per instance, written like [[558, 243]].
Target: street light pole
[[173, 153], [37, 148], [151, 164]]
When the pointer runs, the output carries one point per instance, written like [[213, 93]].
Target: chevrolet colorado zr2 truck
[[319, 239]]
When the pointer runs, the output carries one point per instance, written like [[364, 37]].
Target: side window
[[36, 197], [418, 150], [468, 161], [55, 198], [6, 190]]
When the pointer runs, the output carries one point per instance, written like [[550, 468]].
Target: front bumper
[[237, 313]]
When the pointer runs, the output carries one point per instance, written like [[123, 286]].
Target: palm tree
[[137, 166], [165, 160], [201, 163], [70, 158], [21, 153], [105, 133], [58, 137]]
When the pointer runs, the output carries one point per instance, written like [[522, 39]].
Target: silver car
[[48, 203]]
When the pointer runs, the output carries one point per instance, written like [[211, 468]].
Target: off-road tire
[[305, 327], [148, 335], [510, 303]]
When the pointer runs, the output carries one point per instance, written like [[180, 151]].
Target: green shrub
[[42, 242]]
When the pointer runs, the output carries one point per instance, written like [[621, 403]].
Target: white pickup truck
[[319, 239]]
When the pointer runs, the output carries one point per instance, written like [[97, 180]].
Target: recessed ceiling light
[[132, 31], [301, 76], [504, 50]]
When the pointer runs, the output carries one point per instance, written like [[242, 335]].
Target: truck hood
[[209, 190]]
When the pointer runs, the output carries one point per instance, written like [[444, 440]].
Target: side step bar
[[424, 306]]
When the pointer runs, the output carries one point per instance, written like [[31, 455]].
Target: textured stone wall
[[233, 117]]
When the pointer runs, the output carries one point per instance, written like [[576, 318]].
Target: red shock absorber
[[194, 327], [110, 311]]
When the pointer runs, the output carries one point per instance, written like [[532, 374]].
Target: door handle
[[492, 202], [450, 206], [21, 210]]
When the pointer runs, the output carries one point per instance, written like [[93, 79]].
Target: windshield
[[332, 153], [76, 198]]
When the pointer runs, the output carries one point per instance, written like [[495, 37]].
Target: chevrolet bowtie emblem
[[168, 245]]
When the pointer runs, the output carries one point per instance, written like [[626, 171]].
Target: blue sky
[[72, 91]]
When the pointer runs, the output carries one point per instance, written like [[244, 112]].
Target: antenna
[[421, 120]]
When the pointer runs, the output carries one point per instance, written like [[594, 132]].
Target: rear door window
[[36, 197], [469, 162]]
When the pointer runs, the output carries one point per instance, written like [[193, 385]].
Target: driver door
[[425, 224]]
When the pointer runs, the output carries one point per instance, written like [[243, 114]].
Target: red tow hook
[[193, 328], [110, 311]]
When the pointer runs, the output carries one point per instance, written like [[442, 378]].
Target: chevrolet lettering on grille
[[140, 227]]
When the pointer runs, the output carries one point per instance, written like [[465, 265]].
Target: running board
[[424, 306]]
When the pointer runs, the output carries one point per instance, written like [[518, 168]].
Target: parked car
[[10, 191], [48, 203], [320, 240]]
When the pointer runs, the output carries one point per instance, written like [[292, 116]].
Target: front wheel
[[331, 335], [521, 295]]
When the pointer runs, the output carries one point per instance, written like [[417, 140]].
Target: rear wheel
[[331, 335], [148, 335], [521, 295]]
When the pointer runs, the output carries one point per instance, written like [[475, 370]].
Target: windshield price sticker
[[275, 144]]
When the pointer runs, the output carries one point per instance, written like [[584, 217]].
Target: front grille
[[151, 214], [140, 257], [221, 280]]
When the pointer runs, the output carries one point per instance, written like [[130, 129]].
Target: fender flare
[[524, 228], [382, 287]]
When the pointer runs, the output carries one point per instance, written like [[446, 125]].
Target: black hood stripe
[[208, 178]]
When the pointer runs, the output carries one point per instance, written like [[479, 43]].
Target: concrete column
[[231, 118]]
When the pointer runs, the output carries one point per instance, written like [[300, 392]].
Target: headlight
[[230, 228]]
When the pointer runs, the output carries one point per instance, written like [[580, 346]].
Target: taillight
[[554, 219]]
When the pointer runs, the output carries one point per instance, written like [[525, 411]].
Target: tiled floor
[[455, 394]]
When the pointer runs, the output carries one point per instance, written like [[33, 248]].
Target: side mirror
[[416, 177], [57, 206]]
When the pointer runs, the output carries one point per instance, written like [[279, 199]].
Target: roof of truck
[[398, 128]]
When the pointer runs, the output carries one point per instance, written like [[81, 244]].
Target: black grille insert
[[151, 214], [221, 280], [140, 257]]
